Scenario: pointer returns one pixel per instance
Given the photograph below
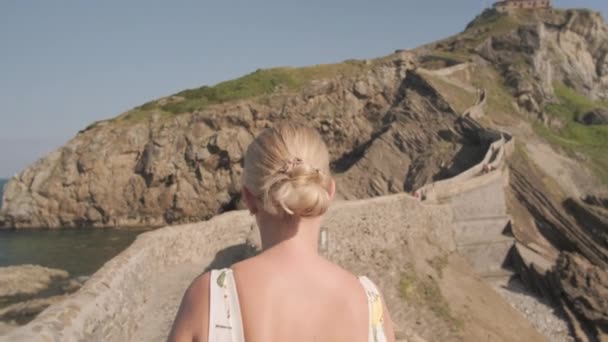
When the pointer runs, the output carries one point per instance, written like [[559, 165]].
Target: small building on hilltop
[[506, 5]]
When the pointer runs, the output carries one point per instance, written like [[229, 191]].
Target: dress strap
[[225, 324], [375, 309]]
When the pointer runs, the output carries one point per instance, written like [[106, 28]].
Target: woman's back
[[285, 297]]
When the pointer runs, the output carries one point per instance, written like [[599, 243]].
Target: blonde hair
[[287, 168]]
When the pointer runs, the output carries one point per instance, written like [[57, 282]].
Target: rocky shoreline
[[26, 290]]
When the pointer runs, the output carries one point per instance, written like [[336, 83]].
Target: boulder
[[597, 116], [598, 200], [27, 280], [585, 287], [25, 311]]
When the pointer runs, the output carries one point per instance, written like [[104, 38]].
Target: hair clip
[[289, 165]]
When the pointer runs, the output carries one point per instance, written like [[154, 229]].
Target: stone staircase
[[480, 223], [482, 228]]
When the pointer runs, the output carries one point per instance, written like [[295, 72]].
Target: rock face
[[562, 249], [591, 215], [598, 200], [598, 116], [165, 170], [569, 47], [585, 287]]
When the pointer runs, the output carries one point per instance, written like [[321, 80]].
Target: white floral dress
[[225, 323]]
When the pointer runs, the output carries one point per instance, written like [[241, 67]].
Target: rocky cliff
[[156, 165]]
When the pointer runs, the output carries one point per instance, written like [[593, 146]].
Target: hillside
[[180, 167], [424, 121]]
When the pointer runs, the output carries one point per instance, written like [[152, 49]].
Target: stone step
[[484, 229], [483, 217], [499, 278], [488, 199], [487, 257], [496, 240], [498, 275]]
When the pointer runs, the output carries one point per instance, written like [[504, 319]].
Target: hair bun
[[286, 167], [301, 191]]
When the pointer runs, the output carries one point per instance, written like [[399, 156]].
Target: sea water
[[80, 251]]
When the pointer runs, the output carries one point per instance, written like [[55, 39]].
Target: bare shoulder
[[199, 286], [191, 321]]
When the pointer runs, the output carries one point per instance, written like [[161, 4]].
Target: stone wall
[[477, 110], [475, 176]]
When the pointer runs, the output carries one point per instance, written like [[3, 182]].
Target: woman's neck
[[297, 234]]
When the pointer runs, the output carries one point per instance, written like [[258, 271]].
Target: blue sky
[[65, 64]]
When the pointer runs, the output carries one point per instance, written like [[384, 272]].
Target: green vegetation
[[439, 59], [491, 22], [499, 105], [258, 83], [590, 142], [425, 292], [571, 104]]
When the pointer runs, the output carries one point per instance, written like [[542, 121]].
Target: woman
[[288, 292]]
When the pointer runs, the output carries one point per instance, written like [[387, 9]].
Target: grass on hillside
[[500, 103], [439, 59], [258, 83], [577, 139], [491, 23]]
